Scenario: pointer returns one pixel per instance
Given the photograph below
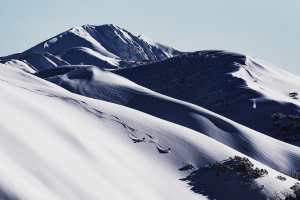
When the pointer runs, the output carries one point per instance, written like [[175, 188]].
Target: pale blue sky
[[267, 29]]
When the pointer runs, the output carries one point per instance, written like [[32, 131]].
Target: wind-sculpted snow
[[107, 86], [59, 145], [233, 85]]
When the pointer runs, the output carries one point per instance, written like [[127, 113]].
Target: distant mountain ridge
[[106, 46]]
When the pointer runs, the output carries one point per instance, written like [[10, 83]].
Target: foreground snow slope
[[98, 84], [58, 145], [236, 86]]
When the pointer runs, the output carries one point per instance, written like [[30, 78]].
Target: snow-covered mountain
[[248, 91], [106, 46], [76, 125], [59, 145], [92, 82]]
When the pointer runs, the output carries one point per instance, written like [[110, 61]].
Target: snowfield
[[227, 83], [100, 113], [107, 86], [58, 145]]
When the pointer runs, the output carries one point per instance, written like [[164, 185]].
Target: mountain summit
[[106, 46]]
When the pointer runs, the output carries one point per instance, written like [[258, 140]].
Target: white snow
[[272, 82], [71, 153], [114, 88], [20, 65], [254, 104], [112, 61], [166, 50], [113, 47], [53, 40], [126, 39], [49, 42], [58, 145], [46, 45], [79, 31]]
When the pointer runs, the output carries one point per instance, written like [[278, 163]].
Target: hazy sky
[[267, 29]]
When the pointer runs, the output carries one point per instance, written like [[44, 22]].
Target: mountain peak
[[103, 26], [106, 46]]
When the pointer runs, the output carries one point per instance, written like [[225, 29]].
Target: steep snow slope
[[92, 82], [106, 46], [35, 61], [58, 145], [108, 40], [128, 46], [233, 85]]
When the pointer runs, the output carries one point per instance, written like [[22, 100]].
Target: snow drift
[[95, 83], [58, 145]]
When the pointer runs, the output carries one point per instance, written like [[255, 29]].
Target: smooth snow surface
[[58, 145], [76, 150], [107, 86], [272, 82]]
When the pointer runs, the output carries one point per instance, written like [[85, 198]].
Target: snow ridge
[[106, 46]]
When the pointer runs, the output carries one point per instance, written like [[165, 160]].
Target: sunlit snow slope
[[95, 83], [59, 145], [246, 90]]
